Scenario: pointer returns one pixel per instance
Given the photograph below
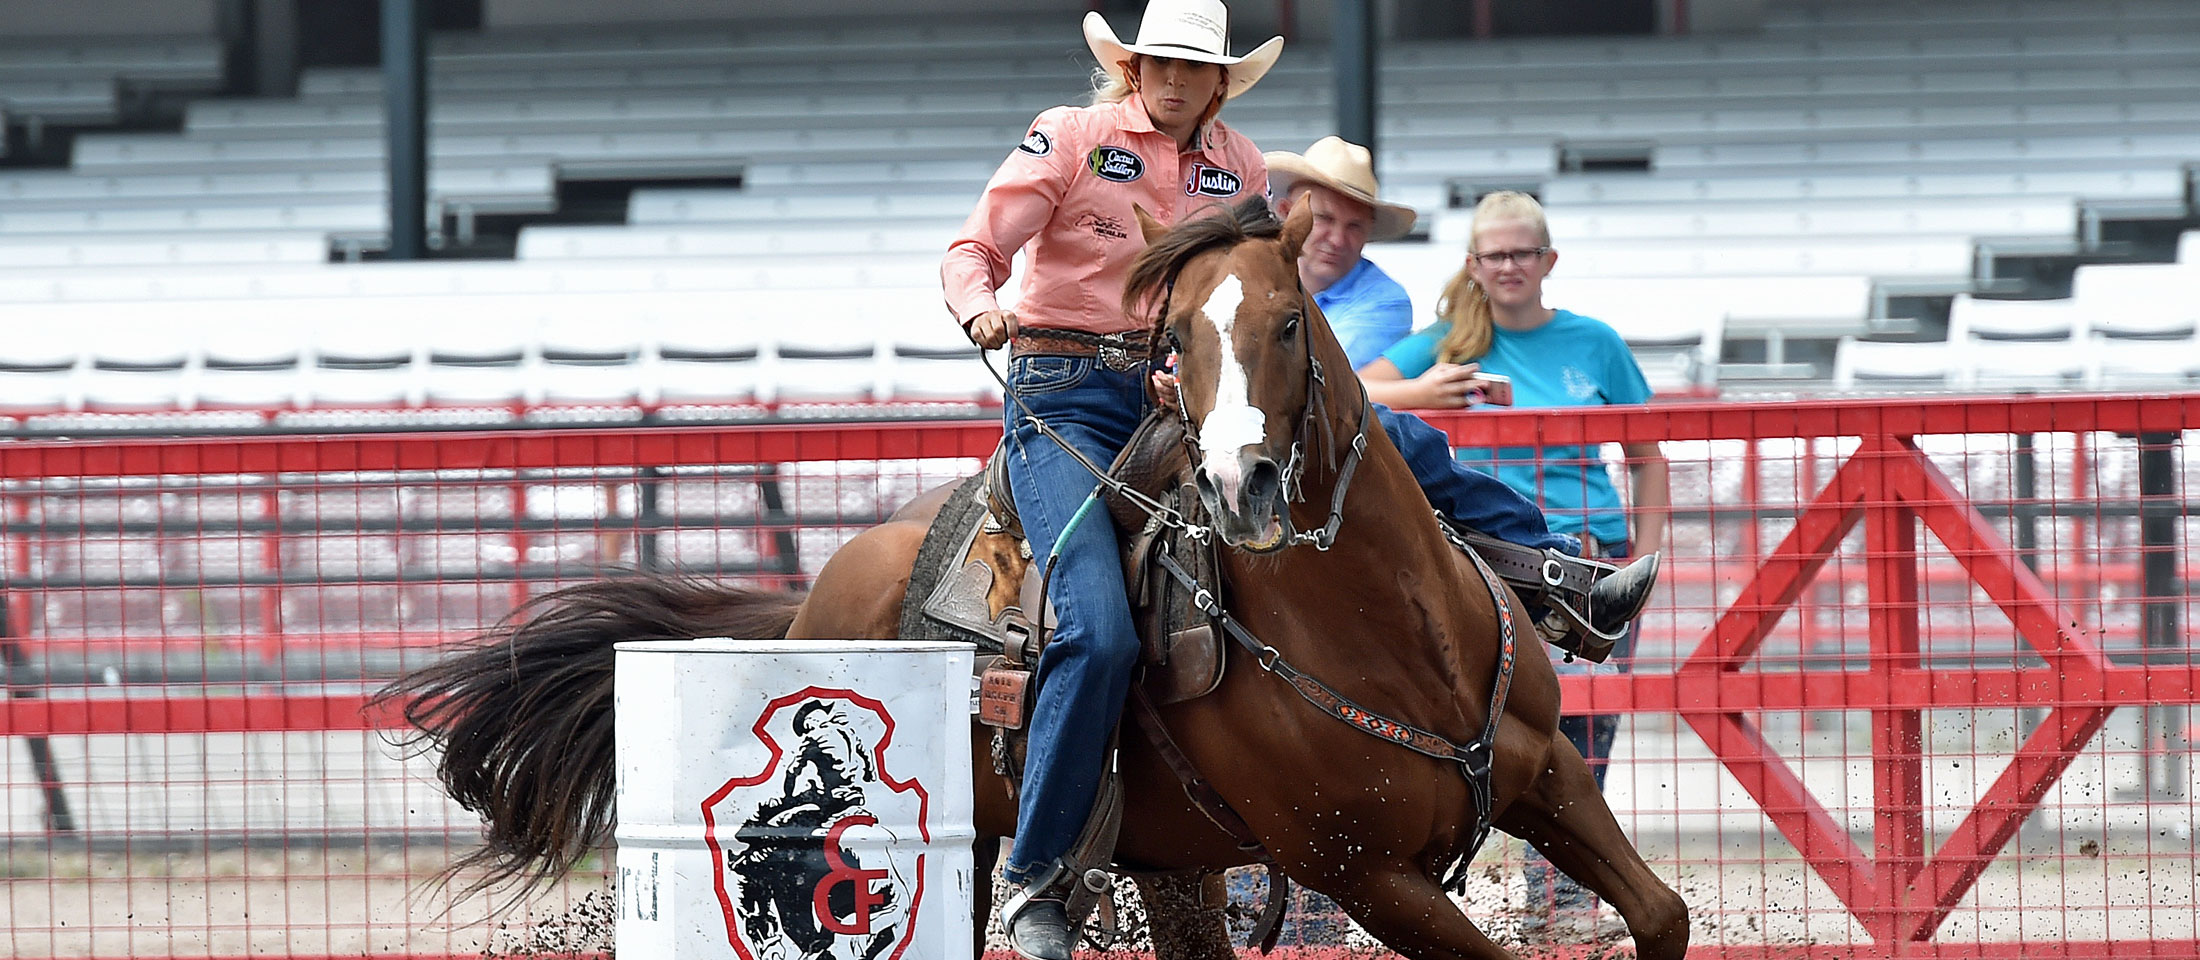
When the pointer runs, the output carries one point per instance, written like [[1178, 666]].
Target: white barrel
[[788, 798]]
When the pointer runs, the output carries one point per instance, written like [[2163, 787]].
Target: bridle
[[1313, 417]]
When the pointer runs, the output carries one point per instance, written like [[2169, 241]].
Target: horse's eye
[[1291, 325]]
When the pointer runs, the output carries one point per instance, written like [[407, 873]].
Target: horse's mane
[[1159, 263]]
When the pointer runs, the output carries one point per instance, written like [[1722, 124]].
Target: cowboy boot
[[1036, 918], [1589, 625], [1618, 599]]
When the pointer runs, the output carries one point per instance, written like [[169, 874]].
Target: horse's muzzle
[[1246, 510]]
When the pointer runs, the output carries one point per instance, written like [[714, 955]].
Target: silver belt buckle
[[1115, 356]]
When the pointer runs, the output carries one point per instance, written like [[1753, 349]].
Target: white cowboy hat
[[1185, 30], [1346, 168]]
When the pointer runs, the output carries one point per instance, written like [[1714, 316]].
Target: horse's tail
[[522, 713]]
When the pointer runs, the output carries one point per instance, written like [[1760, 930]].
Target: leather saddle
[[977, 579]]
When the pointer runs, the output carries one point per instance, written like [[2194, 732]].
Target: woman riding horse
[[1377, 722], [1079, 365]]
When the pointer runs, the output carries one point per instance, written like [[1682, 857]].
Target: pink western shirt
[[1064, 197]]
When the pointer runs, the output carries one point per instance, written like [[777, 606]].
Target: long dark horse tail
[[522, 713]]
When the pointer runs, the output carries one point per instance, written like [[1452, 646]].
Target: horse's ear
[[1148, 227], [1295, 228]]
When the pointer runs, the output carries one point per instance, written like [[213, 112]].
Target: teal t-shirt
[[1572, 361]]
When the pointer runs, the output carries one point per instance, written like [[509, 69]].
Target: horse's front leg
[[1405, 908], [1184, 915], [1565, 816]]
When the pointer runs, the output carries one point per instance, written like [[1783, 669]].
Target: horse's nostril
[[1261, 483], [1205, 482]]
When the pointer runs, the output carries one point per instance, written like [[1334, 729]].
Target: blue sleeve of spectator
[[1415, 354], [1623, 380]]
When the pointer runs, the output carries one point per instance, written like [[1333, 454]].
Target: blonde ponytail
[[1473, 325]]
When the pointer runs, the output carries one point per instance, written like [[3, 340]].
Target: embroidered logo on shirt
[[1115, 163], [1037, 143], [1104, 227], [1207, 181]]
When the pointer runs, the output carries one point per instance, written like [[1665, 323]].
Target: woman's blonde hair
[[1473, 325], [1110, 87]]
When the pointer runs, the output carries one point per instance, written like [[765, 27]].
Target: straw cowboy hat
[[1345, 168], [1185, 30]]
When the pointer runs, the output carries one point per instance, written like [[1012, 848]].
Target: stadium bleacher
[[1772, 189]]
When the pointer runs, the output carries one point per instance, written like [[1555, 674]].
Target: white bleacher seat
[[769, 123], [363, 332], [2138, 301], [1834, 302], [2158, 182], [39, 366], [591, 349], [1676, 342], [64, 101], [666, 206], [251, 388], [353, 215], [2019, 366], [457, 332], [1972, 318], [41, 250], [971, 173], [1923, 154], [2045, 216], [831, 358], [853, 238], [928, 357], [2144, 364], [947, 376], [500, 383], [228, 339], [122, 389], [503, 175], [576, 381], [2188, 247], [703, 357], [182, 63], [1872, 364], [378, 387], [1951, 257]]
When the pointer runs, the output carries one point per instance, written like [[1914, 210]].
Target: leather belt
[[1116, 351]]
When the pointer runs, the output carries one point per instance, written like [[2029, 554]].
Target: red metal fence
[[1918, 684]]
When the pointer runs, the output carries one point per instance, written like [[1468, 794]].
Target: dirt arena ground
[[338, 903]]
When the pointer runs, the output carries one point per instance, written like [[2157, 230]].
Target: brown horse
[[1391, 616]]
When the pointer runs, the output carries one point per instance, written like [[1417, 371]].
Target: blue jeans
[[1550, 889], [1085, 673], [1469, 496]]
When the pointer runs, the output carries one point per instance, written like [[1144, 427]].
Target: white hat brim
[[1286, 170], [1244, 71]]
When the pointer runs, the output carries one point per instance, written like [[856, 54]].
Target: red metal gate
[[1879, 559]]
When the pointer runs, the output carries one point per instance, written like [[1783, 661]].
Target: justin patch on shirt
[[1207, 181]]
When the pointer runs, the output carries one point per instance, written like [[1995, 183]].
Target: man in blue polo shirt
[[1366, 308]]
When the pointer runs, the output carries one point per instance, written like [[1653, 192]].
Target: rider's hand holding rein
[[991, 329]]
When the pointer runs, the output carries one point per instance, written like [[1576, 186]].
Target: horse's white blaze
[[1232, 422]]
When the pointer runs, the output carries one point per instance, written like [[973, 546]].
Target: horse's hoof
[[1574, 926]]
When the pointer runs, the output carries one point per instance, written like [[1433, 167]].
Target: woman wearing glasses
[[1493, 321]]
